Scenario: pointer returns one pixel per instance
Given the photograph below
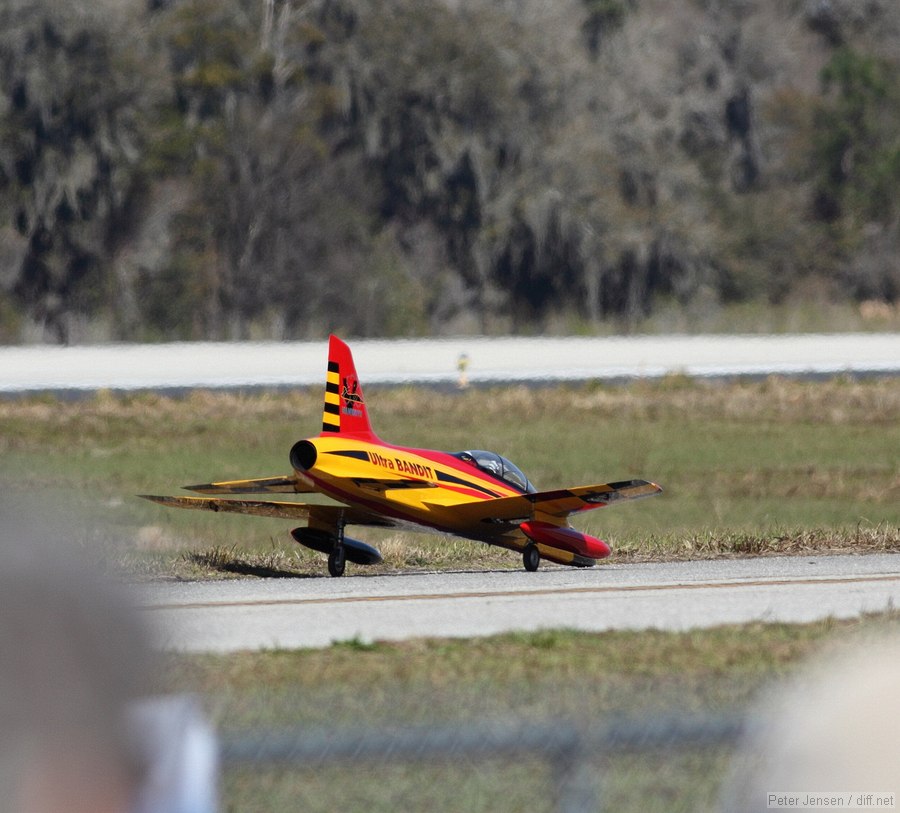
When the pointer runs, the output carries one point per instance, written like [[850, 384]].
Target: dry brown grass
[[836, 401], [797, 542], [410, 554]]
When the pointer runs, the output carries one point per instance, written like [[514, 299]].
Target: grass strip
[[748, 467], [542, 676]]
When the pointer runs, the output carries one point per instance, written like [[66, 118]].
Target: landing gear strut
[[337, 559], [531, 557]]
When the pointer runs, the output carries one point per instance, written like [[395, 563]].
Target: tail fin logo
[[351, 395]]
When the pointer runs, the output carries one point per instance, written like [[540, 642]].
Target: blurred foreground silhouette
[[78, 731], [831, 732]]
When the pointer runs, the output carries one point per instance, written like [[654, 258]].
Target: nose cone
[[595, 548], [561, 536], [303, 455]]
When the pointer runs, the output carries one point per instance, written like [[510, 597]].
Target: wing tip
[[280, 484], [166, 500]]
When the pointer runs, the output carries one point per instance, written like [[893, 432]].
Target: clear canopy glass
[[499, 467]]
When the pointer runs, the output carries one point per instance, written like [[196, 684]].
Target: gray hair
[[72, 656]]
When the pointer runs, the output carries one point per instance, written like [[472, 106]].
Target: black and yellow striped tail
[[331, 417], [345, 410]]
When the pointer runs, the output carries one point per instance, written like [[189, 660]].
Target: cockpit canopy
[[499, 467]]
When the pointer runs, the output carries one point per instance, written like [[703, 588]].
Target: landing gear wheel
[[337, 561], [531, 557]]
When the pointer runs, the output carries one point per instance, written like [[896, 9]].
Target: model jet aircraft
[[473, 494]]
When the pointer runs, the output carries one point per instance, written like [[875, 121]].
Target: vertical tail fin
[[345, 410]]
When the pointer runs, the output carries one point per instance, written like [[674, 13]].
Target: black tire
[[337, 561], [531, 557]]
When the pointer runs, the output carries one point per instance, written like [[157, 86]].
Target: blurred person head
[[833, 729], [72, 658]]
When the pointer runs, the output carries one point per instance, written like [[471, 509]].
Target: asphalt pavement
[[251, 614]]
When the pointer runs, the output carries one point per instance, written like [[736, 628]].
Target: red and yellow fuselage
[[431, 490]]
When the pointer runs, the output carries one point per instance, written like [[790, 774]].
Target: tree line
[[281, 168]]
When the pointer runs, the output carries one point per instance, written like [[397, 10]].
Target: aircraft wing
[[330, 514], [287, 484], [559, 503], [583, 498]]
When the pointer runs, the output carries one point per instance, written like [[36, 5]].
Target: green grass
[[543, 676], [525, 676], [747, 461]]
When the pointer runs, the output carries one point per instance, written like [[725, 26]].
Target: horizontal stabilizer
[[288, 484]]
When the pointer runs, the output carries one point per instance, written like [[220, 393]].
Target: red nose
[[561, 536]]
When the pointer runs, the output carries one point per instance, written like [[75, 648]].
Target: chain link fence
[[665, 763]]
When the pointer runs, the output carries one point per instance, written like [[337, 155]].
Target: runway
[[244, 614], [181, 366]]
